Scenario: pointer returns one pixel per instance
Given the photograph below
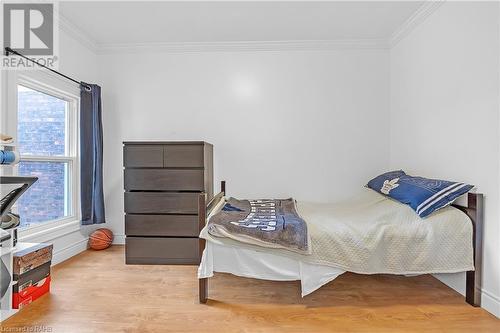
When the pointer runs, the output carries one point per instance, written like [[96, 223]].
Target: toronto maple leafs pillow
[[424, 195], [380, 183]]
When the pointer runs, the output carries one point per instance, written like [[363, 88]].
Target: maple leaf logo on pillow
[[389, 185]]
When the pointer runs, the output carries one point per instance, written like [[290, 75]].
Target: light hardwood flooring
[[97, 292]]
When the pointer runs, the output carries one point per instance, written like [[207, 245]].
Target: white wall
[[76, 60], [307, 124], [444, 113]]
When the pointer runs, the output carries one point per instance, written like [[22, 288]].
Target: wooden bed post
[[202, 217], [473, 278], [223, 187], [203, 206]]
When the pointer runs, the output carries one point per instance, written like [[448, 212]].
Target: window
[[46, 126]]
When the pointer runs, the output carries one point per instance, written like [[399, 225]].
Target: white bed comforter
[[372, 234]]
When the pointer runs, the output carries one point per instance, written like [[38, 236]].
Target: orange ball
[[101, 239]]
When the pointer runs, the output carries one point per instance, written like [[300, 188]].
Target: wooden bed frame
[[474, 210]]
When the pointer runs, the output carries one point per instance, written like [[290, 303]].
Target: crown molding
[[76, 33], [242, 46], [417, 18]]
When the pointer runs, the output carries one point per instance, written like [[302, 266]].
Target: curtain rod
[[8, 51]]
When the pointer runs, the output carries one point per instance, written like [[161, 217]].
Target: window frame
[[48, 83]]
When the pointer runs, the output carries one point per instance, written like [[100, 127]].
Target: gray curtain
[[92, 195]]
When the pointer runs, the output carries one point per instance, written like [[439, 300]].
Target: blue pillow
[[424, 195], [377, 183]]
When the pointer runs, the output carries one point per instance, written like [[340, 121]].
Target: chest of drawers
[[162, 183]]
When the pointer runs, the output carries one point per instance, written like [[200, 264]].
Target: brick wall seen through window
[[42, 126]]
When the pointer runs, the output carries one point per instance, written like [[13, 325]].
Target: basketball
[[100, 239]]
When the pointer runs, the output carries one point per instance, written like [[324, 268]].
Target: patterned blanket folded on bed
[[272, 223]]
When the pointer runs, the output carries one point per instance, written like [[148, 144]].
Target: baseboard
[[119, 239], [490, 303], [69, 251]]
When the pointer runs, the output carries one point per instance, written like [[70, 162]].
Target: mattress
[[372, 234]]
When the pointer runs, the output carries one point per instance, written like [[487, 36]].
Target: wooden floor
[[97, 292]]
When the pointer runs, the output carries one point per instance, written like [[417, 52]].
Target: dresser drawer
[[161, 203], [162, 225], [164, 180], [137, 156], [153, 250], [188, 156]]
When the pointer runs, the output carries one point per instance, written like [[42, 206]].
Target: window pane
[[41, 123], [48, 198]]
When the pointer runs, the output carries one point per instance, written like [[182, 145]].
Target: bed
[[386, 234]]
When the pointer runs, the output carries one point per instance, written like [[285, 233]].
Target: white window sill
[[49, 232]]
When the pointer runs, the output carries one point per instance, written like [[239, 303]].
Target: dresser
[[162, 183]]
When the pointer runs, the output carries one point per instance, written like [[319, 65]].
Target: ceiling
[[126, 22]]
